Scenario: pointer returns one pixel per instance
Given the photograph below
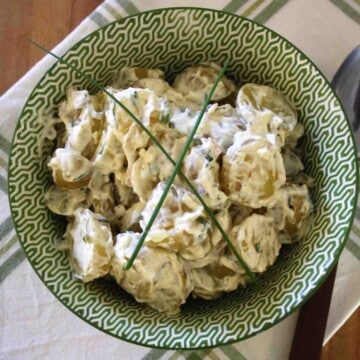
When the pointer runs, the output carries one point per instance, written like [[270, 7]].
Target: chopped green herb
[[102, 149], [201, 220], [102, 220], [87, 239], [164, 112], [258, 248], [154, 169], [135, 98], [208, 157], [164, 117]]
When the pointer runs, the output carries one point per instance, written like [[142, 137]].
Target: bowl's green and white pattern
[[172, 39]]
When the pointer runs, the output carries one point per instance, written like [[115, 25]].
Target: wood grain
[[345, 344], [48, 22], [308, 344]]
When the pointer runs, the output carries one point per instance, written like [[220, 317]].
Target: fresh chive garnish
[[175, 171], [162, 149], [208, 157]]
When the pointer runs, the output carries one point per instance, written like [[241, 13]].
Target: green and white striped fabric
[[34, 325]]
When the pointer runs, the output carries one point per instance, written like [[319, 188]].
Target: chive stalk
[[176, 170]]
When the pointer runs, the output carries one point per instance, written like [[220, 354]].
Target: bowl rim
[[337, 252]]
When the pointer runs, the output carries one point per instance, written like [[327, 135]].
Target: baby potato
[[256, 241], [70, 169], [219, 122], [130, 76], [152, 165], [218, 242], [102, 198], [196, 81], [65, 202], [222, 275], [264, 110], [181, 226], [140, 77], [293, 137], [109, 156], [157, 277], [292, 212], [262, 98], [252, 172], [292, 162]]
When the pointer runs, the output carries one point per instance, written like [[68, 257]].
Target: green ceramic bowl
[[172, 39]]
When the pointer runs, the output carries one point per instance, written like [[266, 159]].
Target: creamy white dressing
[[202, 168], [243, 163], [219, 122], [91, 246], [109, 156], [80, 136]]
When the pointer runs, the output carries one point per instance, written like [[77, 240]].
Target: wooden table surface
[[48, 22]]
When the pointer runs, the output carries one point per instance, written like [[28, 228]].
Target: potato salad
[[108, 177]]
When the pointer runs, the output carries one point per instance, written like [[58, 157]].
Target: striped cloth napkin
[[33, 325]]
